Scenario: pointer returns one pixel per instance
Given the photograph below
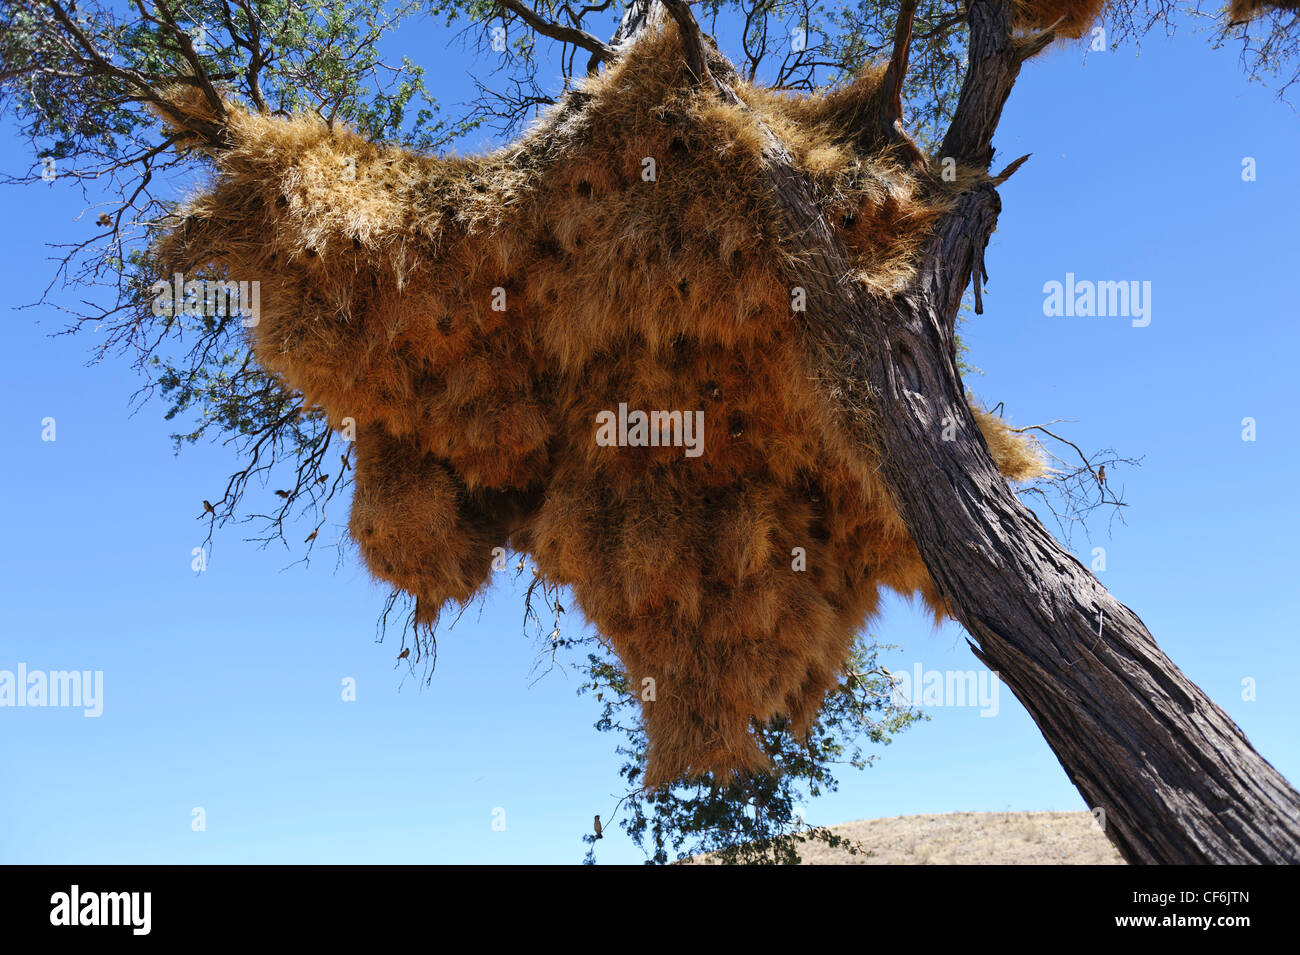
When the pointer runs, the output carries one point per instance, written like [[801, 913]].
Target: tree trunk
[[1176, 779]]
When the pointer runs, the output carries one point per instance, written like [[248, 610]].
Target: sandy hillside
[[988, 838]]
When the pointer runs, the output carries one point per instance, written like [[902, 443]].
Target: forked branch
[[891, 104], [601, 52]]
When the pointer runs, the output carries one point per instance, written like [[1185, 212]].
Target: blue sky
[[222, 689]]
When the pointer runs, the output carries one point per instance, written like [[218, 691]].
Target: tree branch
[[692, 39], [191, 55], [957, 255], [891, 105], [994, 63], [600, 51], [638, 16], [212, 134]]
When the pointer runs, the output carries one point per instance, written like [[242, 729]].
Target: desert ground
[[980, 838], [970, 838]]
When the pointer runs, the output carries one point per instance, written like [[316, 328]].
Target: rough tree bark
[[1177, 780]]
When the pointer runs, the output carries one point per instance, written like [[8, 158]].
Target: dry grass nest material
[[474, 315]]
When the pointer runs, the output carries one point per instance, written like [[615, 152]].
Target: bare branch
[[891, 108], [994, 65], [692, 38], [1079, 488], [1010, 171], [601, 52], [897, 69]]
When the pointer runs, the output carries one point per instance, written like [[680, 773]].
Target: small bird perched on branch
[[1101, 476], [599, 834]]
